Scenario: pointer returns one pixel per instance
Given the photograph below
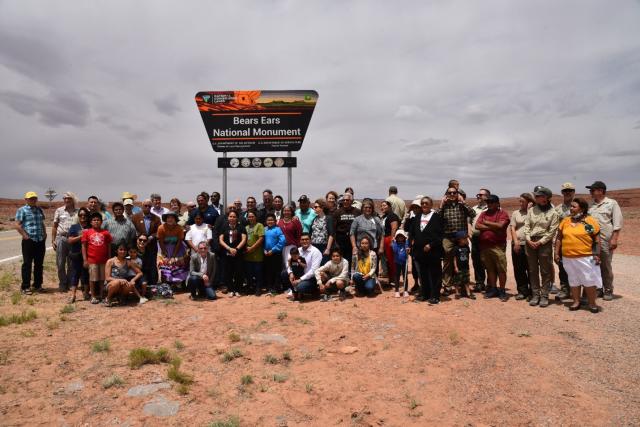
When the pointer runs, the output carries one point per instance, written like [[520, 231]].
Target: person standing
[[157, 209], [479, 273], [30, 225], [215, 203], [608, 214], [343, 218], [540, 226], [397, 204], [305, 214], [493, 224], [367, 224], [63, 218], [568, 191], [147, 225], [208, 212], [121, 229], [518, 243]]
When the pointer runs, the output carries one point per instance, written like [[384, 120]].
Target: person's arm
[[352, 235], [179, 241], [616, 218], [318, 272], [107, 270], [189, 239], [194, 268], [223, 245], [480, 223], [551, 230], [456, 270], [54, 230], [558, 247], [243, 241], [255, 245], [316, 259], [85, 261], [136, 269]]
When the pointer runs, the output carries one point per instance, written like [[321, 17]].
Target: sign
[[268, 120], [257, 162]]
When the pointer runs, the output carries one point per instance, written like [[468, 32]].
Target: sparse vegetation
[[282, 315], [303, 321], [52, 324], [4, 357], [69, 308], [182, 389], [234, 337], [175, 374], [270, 359], [178, 345], [524, 334], [230, 355], [279, 378], [232, 421], [246, 380], [101, 346], [112, 381], [6, 280], [286, 356], [454, 338], [308, 387], [18, 319], [28, 333], [142, 356], [413, 404], [16, 297]]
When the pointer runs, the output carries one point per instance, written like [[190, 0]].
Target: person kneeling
[[202, 272], [333, 272]]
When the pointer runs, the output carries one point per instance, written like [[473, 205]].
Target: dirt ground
[[362, 362]]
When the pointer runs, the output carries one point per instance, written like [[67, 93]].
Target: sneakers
[[324, 298], [406, 294], [142, 300], [535, 300], [94, 301], [544, 302], [25, 291], [562, 295], [608, 296], [502, 294], [397, 294], [491, 293], [520, 297]]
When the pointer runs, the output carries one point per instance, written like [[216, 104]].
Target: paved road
[[10, 245]]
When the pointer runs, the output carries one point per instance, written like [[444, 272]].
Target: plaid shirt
[[456, 217], [32, 221]]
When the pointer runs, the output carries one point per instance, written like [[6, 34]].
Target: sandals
[[574, 307], [594, 309]]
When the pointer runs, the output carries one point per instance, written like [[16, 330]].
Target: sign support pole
[[224, 184], [289, 178]]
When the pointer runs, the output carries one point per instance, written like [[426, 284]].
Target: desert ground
[[266, 361]]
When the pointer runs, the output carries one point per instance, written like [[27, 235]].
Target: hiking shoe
[[26, 291], [553, 289], [608, 296], [544, 302], [491, 293], [535, 300], [562, 295], [520, 297], [502, 294], [324, 298], [471, 296], [142, 300]]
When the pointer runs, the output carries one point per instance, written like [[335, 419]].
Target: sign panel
[[267, 120], [257, 162]]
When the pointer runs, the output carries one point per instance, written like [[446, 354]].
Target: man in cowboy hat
[[30, 225], [63, 217], [130, 209]]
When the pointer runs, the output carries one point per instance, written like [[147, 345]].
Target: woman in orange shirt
[[579, 242]]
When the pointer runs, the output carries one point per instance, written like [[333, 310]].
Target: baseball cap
[[303, 198], [567, 186], [30, 195], [127, 202], [542, 191], [597, 185], [400, 233], [492, 198]]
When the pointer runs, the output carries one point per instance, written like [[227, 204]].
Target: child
[[333, 272], [96, 244], [461, 254], [297, 263], [274, 242], [399, 247], [141, 283]]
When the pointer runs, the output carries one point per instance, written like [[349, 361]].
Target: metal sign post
[[224, 184], [289, 179]]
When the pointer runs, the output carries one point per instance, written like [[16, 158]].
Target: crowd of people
[[333, 247]]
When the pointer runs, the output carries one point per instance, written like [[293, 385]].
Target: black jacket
[[432, 235]]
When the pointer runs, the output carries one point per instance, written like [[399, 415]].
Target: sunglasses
[[451, 193], [142, 240]]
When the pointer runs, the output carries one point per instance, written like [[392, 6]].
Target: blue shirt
[[274, 239], [209, 215], [306, 218], [32, 221], [399, 252]]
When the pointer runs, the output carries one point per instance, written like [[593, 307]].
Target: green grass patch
[[143, 356], [178, 345], [230, 355], [112, 381], [69, 308], [175, 374], [234, 337], [101, 346], [286, 356], [18, 319], [271, 359], [279, 378], [232, 421], [246, 380], [282, 315], [16, 297], [182, 389]]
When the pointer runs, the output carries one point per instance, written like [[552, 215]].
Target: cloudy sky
[[98, 97]]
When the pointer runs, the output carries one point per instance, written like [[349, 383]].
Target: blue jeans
[[367, 286], [254, 274], [78, 273], [196, 286], [308, 286]]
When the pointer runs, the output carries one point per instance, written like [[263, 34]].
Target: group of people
[[334, 245]]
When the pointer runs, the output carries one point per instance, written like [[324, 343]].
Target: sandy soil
[[378, 362]]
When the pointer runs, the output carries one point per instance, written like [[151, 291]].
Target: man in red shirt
[[493, 224], [96, 244]]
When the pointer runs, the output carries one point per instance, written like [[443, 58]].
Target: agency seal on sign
[[278, 162], [234, 162], [256, 162], [245, 162], [268, 162]]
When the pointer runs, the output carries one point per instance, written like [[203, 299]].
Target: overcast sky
[[98, 97]]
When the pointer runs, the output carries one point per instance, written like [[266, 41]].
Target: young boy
[[274, 243], [333, 272], [461, 254], [297, 263], [399, 247], [141, 284], [96, 244]]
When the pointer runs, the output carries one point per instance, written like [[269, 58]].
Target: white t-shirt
[[198, 233]]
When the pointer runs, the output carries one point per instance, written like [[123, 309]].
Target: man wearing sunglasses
[[147, 224], [609, 216], [456, 216], [478, 267]]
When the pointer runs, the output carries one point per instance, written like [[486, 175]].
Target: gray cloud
[[54, 109], [167, 105]]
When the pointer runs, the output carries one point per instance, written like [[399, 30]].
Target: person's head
[[454, 183], [238, 204], [232, 217], [350, 191], [305, 240], [118, 209], [347, 200], [393, 190], [482, 195], [415, 205], [579, 206], [287, 211], [201, 201], [93, 204], [451, 194], [96, 220], [251, 203], [385, 207], [128, 206], [142, 240], [133, 252], [271, 220], [267, 198], [203, 248], [146, 206], [542, 196], [426, 203], [215, 198], [83, 216], [400, 237], [156, 200], [332, 199], [294, 253], [278, 202], [198, 218], [31, 198], [122, 250], [525, 199], [597, 190], [304, 202], [493, 202], [70, 199], [365, 244], [191, 205], [205, 195], [170, 218], [251, 217], [336, 255], [367, 208], [319, 206], [568, 191], [175, 205]]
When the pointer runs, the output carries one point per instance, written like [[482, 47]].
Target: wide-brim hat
[[127, 195], [168, 214]]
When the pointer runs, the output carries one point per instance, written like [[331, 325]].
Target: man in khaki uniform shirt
[[568, 194], [397, 204], [609, 216]]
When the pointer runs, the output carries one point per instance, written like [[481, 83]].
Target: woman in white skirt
[[578, 241]]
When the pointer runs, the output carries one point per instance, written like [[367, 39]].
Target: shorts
[[494, 260], [462, 278], [96, 272]]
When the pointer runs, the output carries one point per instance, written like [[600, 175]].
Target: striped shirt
[[31, 220], [122, 231]]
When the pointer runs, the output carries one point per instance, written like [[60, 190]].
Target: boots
[[591, 298], [564, 292]]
